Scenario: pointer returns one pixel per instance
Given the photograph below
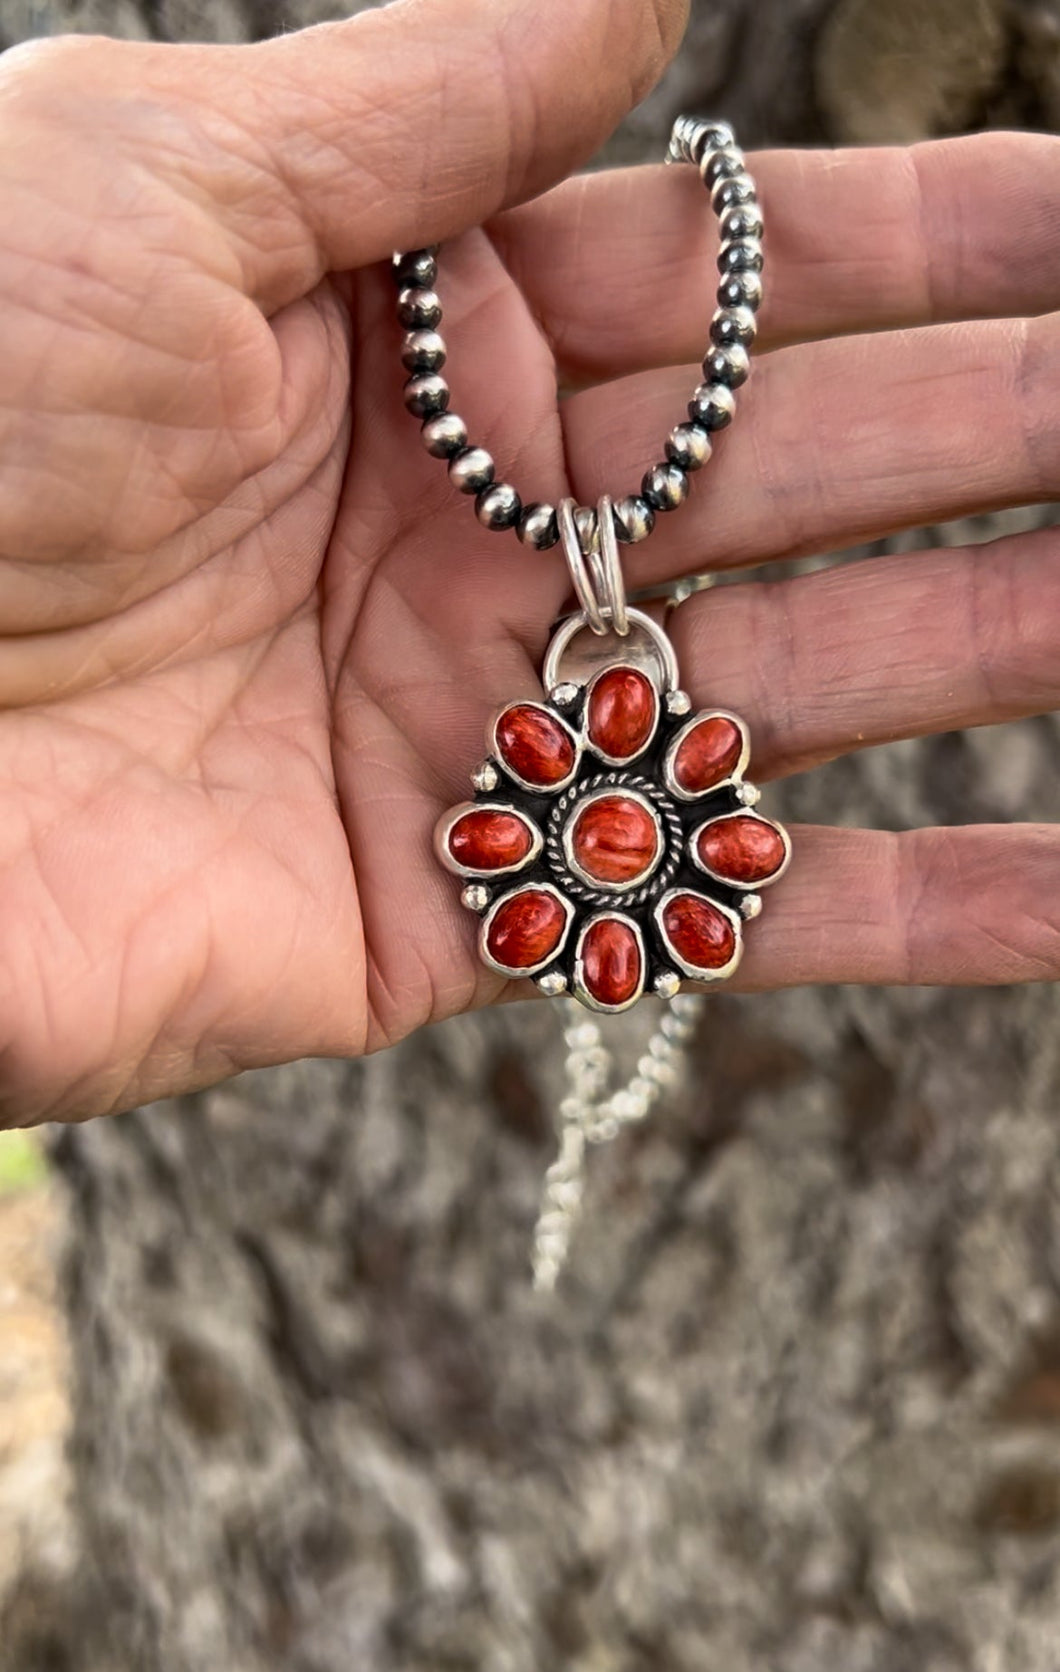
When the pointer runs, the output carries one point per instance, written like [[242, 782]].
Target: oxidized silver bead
[[444, 435], [724, 164], [471, 470], [727, 365], [665, 487], [538, 527], [712, 406], [585, 523], [714, 136], [423, 351], [688, 445], [426, 396], [730, 190], [498, 506], [416, 269], [743, 220], [740, 255], [634, 519], [419, 309], [733, 325], [740, 290]]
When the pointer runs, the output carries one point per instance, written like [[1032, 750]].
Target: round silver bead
[[444, 435], [712, 406], [726, 162], [471, 470], [665, 487], [475, 897], [485, 777], [419, 310], [689, 446], [585, 523], [730, 190], [742, 220], [748, 795], [423, 351], [552, 984], [741, 290], [733, 325], [563, 695], [498, 506], [741, 254], [634, 519], [538, 527], [426, 396], [751, 906], [729, 366], [667, 984], [415, 270], [678, 703]]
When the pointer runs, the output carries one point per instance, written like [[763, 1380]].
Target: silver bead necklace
[[612, 847]]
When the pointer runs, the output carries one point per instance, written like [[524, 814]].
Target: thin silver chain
[[590, 1114]]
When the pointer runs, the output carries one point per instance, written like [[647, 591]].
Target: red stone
[[622, 706], [487, 840], [611, 961], [743, 849], [614, 839], [526, 929], [708, 753], [535, 745], [699, 933]]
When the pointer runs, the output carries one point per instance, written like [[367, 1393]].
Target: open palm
[[252, 636]]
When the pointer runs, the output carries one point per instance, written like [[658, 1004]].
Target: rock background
[[798, 1405]]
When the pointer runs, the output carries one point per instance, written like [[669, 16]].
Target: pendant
[[612, 847]]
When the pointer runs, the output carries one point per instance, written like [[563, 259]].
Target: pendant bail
[[595, 567]]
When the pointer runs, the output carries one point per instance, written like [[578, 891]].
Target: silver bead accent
[[498, 506], [634, 519], [554, 983], [444, 435], [426, 396], [733, 325], [485, 777], [678, 703], [419, 310], [730, 190], [749, 795], [741, 220], [712, 406], [416, 269], [471, 470], [740, 290], [729, 366], [563, 695], [538, 527], [750, 906], [740, 255], [667, 984], [475, 897], [665, 487], [724, 163], [688, 445], [585, 523], [423, 351]]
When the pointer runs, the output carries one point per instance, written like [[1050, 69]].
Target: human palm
[[252, 636]]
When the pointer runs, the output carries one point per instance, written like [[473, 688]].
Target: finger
[[974, 906], [619, 267], [837, 442], [901, 647], [331, 147]]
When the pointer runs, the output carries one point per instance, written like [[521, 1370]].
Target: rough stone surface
[[797, 1406]]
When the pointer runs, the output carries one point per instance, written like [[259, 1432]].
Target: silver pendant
[[612, 847]]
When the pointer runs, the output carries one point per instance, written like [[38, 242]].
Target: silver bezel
[[620, 760], [531, 969], [735, 777], [731, 882], [581, 990], [524, 783], [613, 792], [693, 970], [476, 873]]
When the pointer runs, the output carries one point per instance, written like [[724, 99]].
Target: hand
[[250, 636]]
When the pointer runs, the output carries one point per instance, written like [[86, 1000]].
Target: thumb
[[330, 148]]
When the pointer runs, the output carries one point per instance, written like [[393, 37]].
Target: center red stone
[[614, 840]]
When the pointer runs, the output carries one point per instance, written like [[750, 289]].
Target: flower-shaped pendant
[[612, 847]]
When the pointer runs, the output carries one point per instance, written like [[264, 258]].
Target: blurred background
[[274, 1390]]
